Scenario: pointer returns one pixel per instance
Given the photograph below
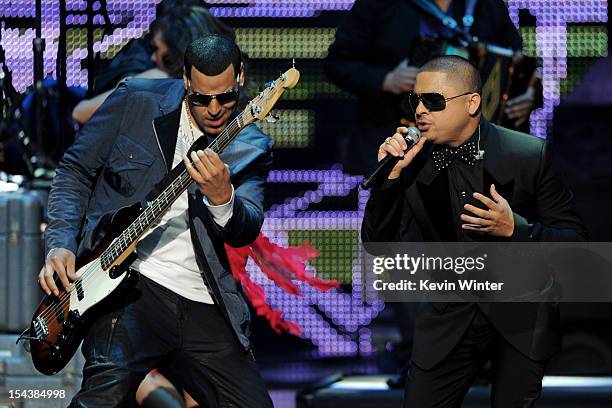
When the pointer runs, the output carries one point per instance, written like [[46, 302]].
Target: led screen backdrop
[[310, 198]]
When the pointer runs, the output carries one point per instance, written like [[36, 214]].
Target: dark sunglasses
[[433, 102], [198, 99]]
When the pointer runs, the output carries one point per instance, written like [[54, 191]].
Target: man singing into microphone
[[468, 180]]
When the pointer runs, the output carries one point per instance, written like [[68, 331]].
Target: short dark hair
[[457, 67], [211, 55]]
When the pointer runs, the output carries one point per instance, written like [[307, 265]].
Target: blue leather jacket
[[119, 156]]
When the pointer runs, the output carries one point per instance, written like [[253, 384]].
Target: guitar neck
[[156, 208], [257, 109]]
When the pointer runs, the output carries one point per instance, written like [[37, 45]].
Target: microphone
[[386, 165]]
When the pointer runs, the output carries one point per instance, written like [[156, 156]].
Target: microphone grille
[[413, 134]]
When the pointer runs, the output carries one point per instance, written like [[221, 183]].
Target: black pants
[[153, 327], [516, 382]]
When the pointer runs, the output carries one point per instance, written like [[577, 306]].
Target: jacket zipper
[[111, 334]]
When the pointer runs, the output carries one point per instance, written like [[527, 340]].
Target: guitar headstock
[[262, 104]]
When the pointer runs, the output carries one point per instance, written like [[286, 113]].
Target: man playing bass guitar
[[186, 308]]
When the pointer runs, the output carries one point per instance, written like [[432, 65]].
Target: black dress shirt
[[464, 179]]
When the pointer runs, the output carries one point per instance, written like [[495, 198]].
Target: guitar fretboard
[[156, 208]]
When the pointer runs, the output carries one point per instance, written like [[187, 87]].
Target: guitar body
[[61, 322]]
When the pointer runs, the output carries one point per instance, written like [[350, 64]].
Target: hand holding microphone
[[396, 153]]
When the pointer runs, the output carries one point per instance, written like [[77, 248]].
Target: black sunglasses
[[434, 102], [198, 99]]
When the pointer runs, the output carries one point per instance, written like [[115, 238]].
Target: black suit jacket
[[415, 207], [373, 38]]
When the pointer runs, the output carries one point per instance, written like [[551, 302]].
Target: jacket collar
[[172, 99], [496, 163], [166, 128]]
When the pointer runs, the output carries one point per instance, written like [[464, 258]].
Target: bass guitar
[[60, 322]]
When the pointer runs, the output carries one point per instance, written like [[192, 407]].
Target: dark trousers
[[153, 327], [516, 382]]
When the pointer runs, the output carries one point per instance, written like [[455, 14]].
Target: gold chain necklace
[[188, 111]]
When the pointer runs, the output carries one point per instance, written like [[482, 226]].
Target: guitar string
[[89, 274], [85, 277], [225, 140], [111, 251]]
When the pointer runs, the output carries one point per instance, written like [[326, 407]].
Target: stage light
[[336, 235], [285, 43], [553, 20], [278, 8]]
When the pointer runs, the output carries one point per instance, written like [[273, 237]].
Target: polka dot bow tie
[[444, 157]]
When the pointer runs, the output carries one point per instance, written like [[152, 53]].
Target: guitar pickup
[[40, 327], [79, 288]]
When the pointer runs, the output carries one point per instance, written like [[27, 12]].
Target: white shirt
[[165, 253]]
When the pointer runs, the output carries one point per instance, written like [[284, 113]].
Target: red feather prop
[[281, 265]]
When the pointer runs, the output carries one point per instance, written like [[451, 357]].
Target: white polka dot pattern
[[445, 156]]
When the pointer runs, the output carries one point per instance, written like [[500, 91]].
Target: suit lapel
[[497, 169], [166, 126], [166, 129], [435, 199], [427, 200]]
